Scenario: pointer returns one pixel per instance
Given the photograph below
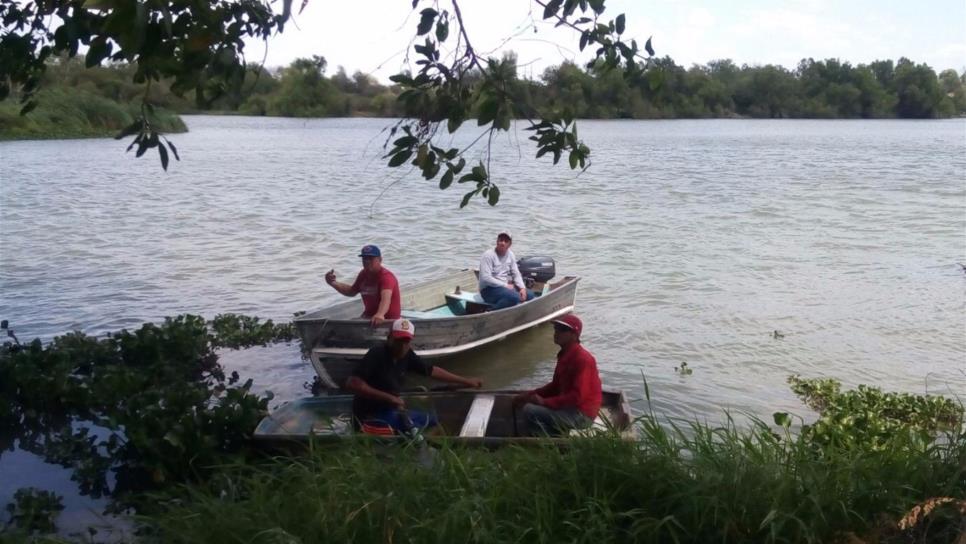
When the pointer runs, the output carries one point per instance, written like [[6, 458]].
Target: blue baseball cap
[[370, 251]]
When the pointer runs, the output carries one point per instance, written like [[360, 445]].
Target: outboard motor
[[536, 270]]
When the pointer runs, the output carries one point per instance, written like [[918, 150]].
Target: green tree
[[917, 89], [199, 46]]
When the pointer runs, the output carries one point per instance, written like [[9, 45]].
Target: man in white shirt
[[500, 281]]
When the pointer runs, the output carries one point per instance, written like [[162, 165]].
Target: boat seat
[[472, 302], [478, 417]]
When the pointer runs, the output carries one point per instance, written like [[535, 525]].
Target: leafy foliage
[[447, 90], [34, 510], [869, 418], [156, 406], [198, 44]]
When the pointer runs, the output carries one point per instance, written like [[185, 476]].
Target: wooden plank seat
[[478, 416]]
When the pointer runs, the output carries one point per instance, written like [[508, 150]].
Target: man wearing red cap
[[379, 288], [378, 379], [572, 399]]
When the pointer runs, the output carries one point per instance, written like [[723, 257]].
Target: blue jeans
[[502, 297], [545, 421]]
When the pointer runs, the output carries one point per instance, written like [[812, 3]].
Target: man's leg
[[500, 297], [544, 421]]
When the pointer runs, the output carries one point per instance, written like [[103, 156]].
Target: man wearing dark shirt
[[378, 286], [572, 399], [378, 379]]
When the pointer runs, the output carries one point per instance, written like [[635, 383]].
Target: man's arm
[[358, 386], [344, 288], [448, 377], [385, 299], [515, 274]]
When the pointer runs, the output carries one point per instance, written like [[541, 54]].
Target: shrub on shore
[[76, 113]]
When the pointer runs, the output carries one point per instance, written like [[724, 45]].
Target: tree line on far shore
[[823, 89]]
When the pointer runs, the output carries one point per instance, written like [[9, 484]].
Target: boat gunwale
[[310, 319]]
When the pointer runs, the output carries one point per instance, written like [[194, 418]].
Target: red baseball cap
[[403, 328], [570, 321]]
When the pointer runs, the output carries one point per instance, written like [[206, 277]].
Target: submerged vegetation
[[167, 437]]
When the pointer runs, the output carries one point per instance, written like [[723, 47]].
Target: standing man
[[500, 281], [379, 288], [378, 379], [572, 399]]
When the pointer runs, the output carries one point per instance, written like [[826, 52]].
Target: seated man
[[572, 399], [500, 281], [378, 379], [379, 288]]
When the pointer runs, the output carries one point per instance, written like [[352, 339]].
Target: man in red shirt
[[379, 288], [572, 399]]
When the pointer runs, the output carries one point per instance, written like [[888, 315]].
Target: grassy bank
[[74, 113], [693, 484]]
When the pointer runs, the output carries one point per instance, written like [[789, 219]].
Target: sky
[[373, 36]]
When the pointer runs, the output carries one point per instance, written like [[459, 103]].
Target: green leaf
[[782, 419], [133, 128], [446, 180], [99, 49], [574, 158], [494, 196], [406, 141], [466, 198], [400, 158], [442, 30], [552, 7], [452, 124], [163, 153], [28, 107], [648, 48], [427, 16], [173, 149], [620, 23]]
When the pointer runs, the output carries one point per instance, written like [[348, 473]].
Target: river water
[[694, 240]]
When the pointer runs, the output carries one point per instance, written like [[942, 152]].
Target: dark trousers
[[545, 421], [502, 297]]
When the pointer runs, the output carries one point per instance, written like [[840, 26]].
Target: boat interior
[[456, 294], [465, 415]]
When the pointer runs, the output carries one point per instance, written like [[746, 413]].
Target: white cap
[[403, 328]]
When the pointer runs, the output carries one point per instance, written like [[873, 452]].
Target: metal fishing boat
[[483, 418], [450, 317]]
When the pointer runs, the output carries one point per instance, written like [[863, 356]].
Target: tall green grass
[[677, 483], [75, 113]]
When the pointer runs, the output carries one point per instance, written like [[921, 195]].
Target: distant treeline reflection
[[829, 89]]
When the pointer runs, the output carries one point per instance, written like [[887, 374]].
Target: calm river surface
[[695, 240]]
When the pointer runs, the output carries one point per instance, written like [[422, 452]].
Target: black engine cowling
[[536, 269]]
